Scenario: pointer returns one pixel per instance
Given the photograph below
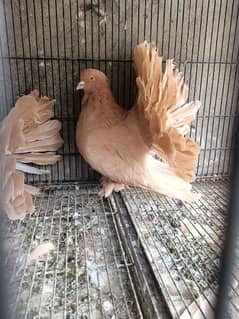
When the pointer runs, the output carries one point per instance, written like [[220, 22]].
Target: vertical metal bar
[[125, 43], [85, 33], [112, 37], [78, 159], [3, 80], [98, 37], [29, 43], [176, 32], [235, 92], [201, 77], [43, 178], [191, 55], [216, 94], [229, 255], [169, 29], [157, 28], [145, 13], [59, 78], [92, 34], [181, 40], [106, 34], [131, 49], [203, 156], [151, 21], [138, 21], [44, 47], [73, 92], [118, 62], [162, 50], [23, 46], [34, 178], [8, 49], [227, 94], [15, 46], [83, 166], [56, 178], [66, 88]]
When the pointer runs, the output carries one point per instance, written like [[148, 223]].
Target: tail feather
[[28, 135], [18, 184], [43, 131], [51, 144], [160, 178], [163, 116], [31, 189], [39, 158], [15, 197], [182, 115]]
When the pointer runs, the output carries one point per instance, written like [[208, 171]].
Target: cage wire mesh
[[88, 273], [44, 44]]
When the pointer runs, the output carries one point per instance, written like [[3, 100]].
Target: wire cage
[[135, 255]]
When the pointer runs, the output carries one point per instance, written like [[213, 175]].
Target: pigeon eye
[[92, 78]]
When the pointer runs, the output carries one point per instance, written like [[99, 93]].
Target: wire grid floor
[[86, 276], [183, 243]]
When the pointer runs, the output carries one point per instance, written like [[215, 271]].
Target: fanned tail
[[15, 196], [28, 129], [28, 135], [163, 116], [160, 178]]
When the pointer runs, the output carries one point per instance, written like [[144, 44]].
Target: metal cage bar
[[44, 45]]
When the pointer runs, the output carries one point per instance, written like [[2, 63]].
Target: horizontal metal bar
[[105, 60]]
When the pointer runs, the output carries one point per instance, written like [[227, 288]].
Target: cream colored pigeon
[[121, 144]]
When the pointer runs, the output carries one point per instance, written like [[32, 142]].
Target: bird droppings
[[95, 7], [102, 24], [125, 26], [41, 53], [108, 307]]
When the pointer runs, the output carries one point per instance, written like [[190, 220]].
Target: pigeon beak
[[81, 85]]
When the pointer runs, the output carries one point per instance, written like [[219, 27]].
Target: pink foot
[[108, 187]]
